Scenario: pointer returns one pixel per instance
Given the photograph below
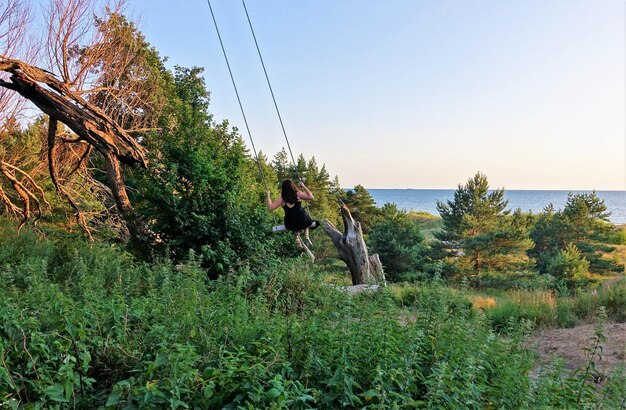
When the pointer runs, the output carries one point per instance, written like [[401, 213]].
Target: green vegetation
[[428, 224], [479, 234], [583, 223], [196, 195], [210, 310], [362, 207], [398, 240], [87, 325], [548, 309]]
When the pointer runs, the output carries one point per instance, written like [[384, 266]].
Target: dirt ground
[[569, 343]]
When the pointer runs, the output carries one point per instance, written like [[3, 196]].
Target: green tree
[[362, 207], [398, 240], [479, 234], [570, 266], [202, 190], [583, 222], [319, 182], [282, 166]]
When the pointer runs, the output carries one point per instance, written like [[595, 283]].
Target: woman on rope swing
[[297, 220]]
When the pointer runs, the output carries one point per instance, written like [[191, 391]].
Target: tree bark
[[89, 122], [352, 249]]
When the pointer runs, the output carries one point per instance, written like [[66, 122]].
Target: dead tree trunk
[[352, 249], [89, 122]]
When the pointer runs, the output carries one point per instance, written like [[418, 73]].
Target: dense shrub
[[570, 266], [97, 328], [398, 241]]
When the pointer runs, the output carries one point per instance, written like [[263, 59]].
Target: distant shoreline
[[535, 201], [506, 189]]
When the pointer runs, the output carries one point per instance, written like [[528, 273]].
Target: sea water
[[526, 200]]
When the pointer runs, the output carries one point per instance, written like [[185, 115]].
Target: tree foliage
[[583, 222], [570, 266], [199, 193], [479, 234], [398, 240], [362, 206]]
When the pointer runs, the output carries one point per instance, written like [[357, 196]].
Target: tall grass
[[543, 308]]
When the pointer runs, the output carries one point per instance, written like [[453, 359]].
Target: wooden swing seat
[[279, 229]]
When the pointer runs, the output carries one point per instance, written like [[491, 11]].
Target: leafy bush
[[97, 328], [398, 241], [570, 266]]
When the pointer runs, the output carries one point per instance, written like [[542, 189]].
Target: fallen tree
[[96, 84], [87, 121]]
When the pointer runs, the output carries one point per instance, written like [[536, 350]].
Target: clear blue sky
[[420, 94]]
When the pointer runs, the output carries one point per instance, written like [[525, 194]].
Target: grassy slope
[[428, 223]]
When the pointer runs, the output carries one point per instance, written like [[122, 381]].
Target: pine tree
[[584, 223], [398, 240], [479, 234], [281, 164], [570, 266], [362, 206]]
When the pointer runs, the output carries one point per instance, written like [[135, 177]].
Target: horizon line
[[491, 189]]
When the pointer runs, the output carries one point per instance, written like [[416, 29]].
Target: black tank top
[[296, 218]]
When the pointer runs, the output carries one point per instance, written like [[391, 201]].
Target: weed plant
[[85, 326]]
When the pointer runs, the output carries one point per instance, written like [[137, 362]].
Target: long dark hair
[[289, 191]]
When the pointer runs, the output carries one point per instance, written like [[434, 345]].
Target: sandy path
[[569, 343]]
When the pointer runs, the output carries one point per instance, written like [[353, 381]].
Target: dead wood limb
[[90, 123], [21, 192], [352, 249], [31, 181], [52, 169], [83, 118]]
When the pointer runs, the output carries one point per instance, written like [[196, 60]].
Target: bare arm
[[306, 195], [273, 205]]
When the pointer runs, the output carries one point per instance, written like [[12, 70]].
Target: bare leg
[[299, 240], [306, 237], [302, 246]]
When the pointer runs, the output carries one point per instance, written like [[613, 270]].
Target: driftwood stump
[[353, 251]]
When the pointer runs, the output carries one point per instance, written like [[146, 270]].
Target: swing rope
[[243, 113], [269, 84]]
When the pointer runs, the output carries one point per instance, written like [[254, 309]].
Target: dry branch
[[97, 79]]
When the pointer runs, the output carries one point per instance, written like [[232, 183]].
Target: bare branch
[[31, 180], [98, 80], [80, 218]]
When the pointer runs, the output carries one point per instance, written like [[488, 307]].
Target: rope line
[[269, 84], [243, 113]]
